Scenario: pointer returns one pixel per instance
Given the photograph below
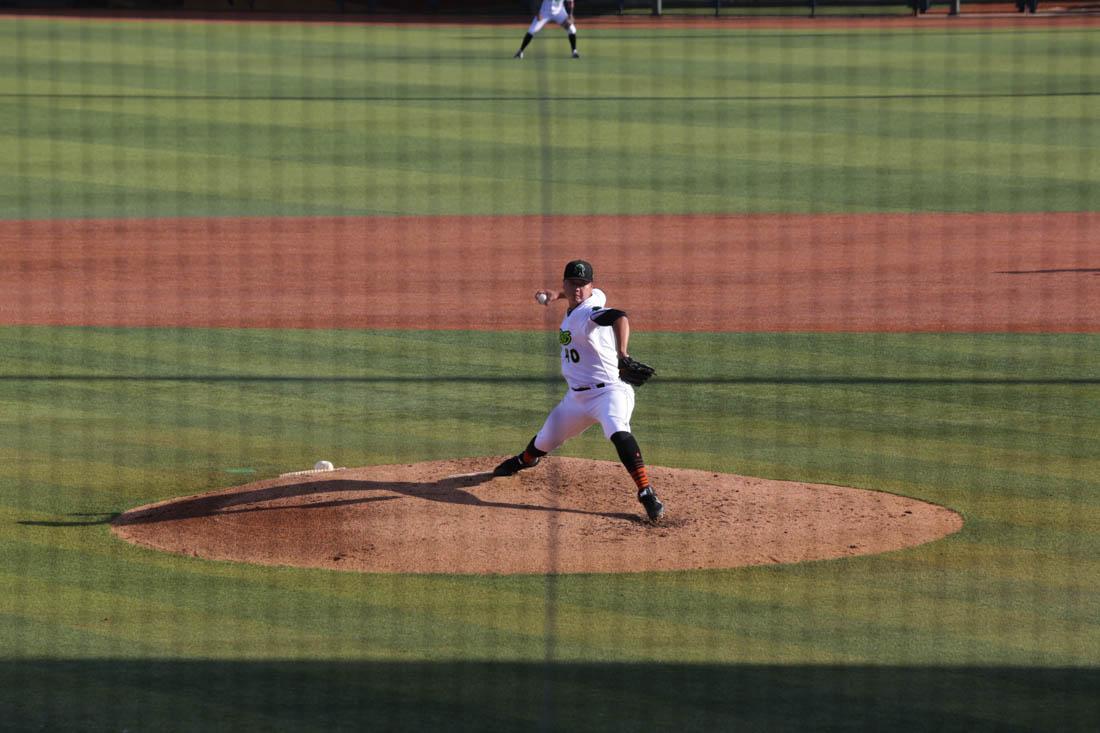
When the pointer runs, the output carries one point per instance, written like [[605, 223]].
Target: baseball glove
[[634, 372]]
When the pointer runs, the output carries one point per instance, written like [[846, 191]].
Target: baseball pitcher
[[601, 377], [559, 11]]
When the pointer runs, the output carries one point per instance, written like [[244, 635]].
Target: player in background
[[594, 353], [559, 11]]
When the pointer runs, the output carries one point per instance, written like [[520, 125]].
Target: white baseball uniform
[[590, 365], [551, 10]]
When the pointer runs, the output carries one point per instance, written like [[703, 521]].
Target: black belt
[[601, 385]]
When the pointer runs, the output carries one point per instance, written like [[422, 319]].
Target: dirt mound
[[568, 515]]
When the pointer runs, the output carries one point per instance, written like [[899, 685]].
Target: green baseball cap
[[578, 270]]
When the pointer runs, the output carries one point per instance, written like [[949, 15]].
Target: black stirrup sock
[[631, 456], [531, 453]]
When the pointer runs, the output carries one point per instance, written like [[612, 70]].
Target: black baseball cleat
[[576, 54], [519, 55], [513, 465], [653, 506]]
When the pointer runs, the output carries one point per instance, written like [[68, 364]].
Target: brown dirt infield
[[568, 515], [881, 272]]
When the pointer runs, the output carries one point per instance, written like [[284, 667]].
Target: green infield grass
[[102, 119], [999, 428]]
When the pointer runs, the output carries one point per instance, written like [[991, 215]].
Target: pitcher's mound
[[567, 515]]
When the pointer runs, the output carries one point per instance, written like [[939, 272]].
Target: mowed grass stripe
[[166, 173], [318, 131], [906, 614], [614, 181], [192, 354], [185, 612], [825, 134], [1027, 456], [1010, 429], [172, 628]]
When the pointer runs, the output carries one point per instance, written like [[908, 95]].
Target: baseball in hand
[[542, 298]]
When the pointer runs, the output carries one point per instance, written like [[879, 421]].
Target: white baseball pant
[[610, 406], [547, 14]]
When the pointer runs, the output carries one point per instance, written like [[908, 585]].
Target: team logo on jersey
[[565, 337]]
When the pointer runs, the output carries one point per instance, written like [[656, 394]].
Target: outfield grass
[[163, 119]]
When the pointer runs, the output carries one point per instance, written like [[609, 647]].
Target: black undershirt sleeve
[[607, 317]]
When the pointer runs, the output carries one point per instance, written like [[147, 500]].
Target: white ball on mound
[[322, 466]]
